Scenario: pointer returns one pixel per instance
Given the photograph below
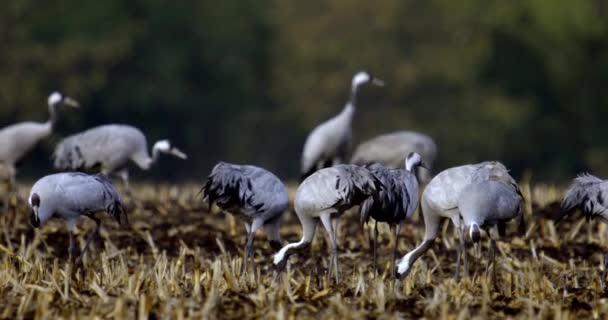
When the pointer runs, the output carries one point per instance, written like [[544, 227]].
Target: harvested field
[[177, 261]]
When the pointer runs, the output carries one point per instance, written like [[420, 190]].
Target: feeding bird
[[253, 194], [589, 194], [486, 204], [330, 142], [110, 147], [324, 195], [71, 195], [396, 201], [388, 150], [440, 200], [18, 139]]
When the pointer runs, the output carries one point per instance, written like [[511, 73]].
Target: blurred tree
[[246, 81]]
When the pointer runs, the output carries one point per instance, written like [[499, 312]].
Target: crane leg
[[249, 251], [326, 219], [72, 250], [395, 246], [492, 260], [375, 247], [124, 176], [462, 254], [605, 272], [92, 236]]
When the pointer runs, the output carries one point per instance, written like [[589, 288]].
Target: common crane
[[18, 139], [589, 194], [71, 195], [486, 204], [325, 194], [330, 142], [396, 201], [388, 150], [110, 147], [440, 200], [253, 194]]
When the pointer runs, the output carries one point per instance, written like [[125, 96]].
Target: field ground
[[177, 260]]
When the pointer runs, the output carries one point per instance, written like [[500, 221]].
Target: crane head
[[475, 232], [363, 77], [414, 160], [57, 98], [35, 204], [166, 147]]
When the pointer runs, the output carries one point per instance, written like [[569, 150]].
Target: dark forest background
[[246, 80]]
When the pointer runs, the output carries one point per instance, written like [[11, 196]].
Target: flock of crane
[[381, 179]]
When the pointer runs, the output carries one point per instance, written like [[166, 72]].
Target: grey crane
[[18, 139], [440, 200], [486, 204], [396, 201], [330, 142], [388, 150], [110, 147], [324, 195], [253, 194], [71, 195], [589, 194]]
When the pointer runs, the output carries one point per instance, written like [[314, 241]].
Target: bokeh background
[[246, 80]]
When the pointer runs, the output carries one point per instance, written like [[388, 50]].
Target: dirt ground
[[177, 260]]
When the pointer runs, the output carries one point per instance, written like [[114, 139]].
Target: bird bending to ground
[[440, 200], [253, 194], [330, 142], [589, 194], [486, 204], [71, 195], [388, 150], [18, 139], [326, 193], [396, 201], [110, 147]]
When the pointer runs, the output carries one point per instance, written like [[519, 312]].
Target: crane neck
[[352, 99], [308, 225], [52, 116]]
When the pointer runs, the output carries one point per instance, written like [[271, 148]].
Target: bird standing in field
[[486, 204], [330, 142], [324, 195], [589, 194], [388, 150], [253, 194], [440, 200], [18, 139], [71, 195], [110, 147], [396, 201]]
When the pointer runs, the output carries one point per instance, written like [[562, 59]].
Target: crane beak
[[34, 220], [378, 82], [178, 153], [71, 102]]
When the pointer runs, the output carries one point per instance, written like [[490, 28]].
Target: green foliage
[[245, 81]]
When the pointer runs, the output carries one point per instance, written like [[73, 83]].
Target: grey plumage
[[330, 142], [18, 139], [487, 204], [72, 195], [388, 150], [253, 194], [110, 147], [440, 200], [395, 201], [589, 194], [324, 195]]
